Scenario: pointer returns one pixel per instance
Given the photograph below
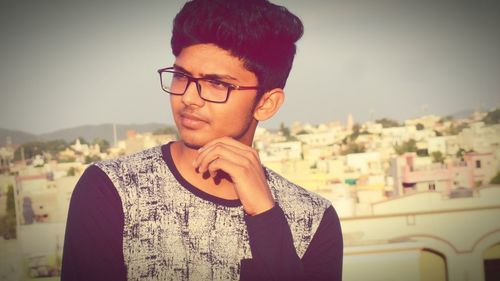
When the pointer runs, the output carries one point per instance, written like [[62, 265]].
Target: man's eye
[[178, 75], [217, 84]]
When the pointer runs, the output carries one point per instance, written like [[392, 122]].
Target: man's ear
[[269, 103]]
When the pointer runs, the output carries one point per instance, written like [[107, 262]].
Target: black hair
[[260, 33]]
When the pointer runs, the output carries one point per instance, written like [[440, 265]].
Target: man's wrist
[[260, 210]]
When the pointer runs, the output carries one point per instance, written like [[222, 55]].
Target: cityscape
[[419, 197]]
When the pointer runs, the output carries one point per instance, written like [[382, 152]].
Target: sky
[[71, 63]]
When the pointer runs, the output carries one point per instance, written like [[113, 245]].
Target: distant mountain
[[462, 114], [17, 137], [88, 132]]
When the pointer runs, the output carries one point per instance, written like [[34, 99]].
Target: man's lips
[[191, 120]]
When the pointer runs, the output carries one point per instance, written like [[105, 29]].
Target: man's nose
[[192, 95]]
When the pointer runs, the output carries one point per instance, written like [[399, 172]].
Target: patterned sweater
[[171, 230]]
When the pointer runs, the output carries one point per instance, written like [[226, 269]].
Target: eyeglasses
[[209, 89]]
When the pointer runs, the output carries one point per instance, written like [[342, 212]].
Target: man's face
[[199, 121]]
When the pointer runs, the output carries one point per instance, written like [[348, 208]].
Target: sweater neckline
[[167, 157]]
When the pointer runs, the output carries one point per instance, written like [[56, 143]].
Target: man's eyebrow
[[181, 69], [209, 76], [220, 77]]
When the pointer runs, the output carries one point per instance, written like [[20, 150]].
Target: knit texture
[[170, 233]]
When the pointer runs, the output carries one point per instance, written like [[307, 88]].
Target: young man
[[204, 207]]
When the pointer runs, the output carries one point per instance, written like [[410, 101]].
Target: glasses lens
[[214, 90], [174, 82]]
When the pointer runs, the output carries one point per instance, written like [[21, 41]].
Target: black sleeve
[[275, 257], [93, 239], [323, 258]]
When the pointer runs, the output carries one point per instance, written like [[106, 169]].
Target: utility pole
[[114, 134]]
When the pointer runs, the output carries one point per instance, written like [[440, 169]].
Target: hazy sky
[[69, 63]]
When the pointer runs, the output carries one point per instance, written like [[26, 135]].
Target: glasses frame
[[230, 87]]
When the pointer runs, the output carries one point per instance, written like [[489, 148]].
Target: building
[[423, 236], [476, 169]]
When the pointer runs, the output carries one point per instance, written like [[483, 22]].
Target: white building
[[423, 236], [364, 162], [281, 151], [480, 138]]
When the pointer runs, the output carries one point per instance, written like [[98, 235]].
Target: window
[[478, 164]]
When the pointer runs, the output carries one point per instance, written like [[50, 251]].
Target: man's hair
[[260, 33]]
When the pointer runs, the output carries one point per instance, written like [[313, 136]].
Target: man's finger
[[224, 152], [231, 142]]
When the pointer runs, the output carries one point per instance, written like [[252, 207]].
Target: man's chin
[[193, 142], [192, 145]]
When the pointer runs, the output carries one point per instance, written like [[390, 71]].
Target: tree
[[90, 159], [353, 147], [82, 140], [445, 119], [302, 132], [496, 179], [387, 123], [460, 153], [31, 149], [492, 117], [438, 133], [354, 135], [407, 146], [420, 126], [103, 144], [71, 172], [285, 131], [455, 130], [8, 222], [437, 157]]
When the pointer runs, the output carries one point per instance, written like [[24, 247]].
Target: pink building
[[475, 169]]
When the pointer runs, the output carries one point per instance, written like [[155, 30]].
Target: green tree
[[437, 157], [407, 146], [55, 146], [460, 153], [356, 128], [496, 179], [445, 119], [353, 147], [103, 144], [82, 140], [438, 133], [455, 130], [31, 149], [8, 222], [285, 131], [90, 159], [492, 117], [302, 132], [387, 123], [71, 172]]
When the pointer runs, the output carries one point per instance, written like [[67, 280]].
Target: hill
[[17, 137], [88, 132]]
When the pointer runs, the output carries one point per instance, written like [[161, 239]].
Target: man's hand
[[243, 166]]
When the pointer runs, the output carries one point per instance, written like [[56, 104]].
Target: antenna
[[114, 134]]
